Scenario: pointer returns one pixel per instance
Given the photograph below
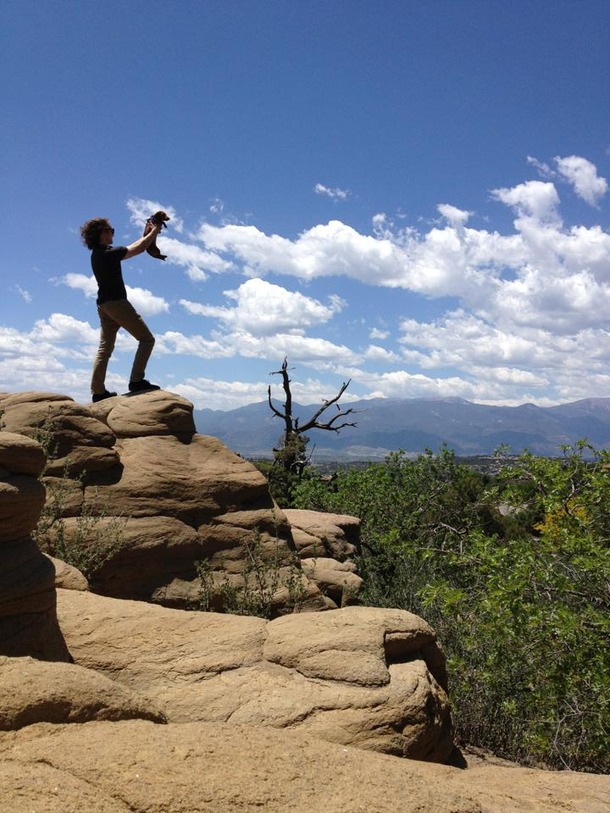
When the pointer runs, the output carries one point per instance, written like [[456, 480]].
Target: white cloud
[[539, 271], [217, 206], [141, 209], [544, 170], [375, 333], [196, 260], [54, 356], [577, 171], [521, 313], [60, 329], [175, 343], [442, 262], [214, 393], [582, 174], [536, 199], [456, 217], [376, 353], [146, 302], [25, 295], [402, 384], [317, 352], [263, 309], [331, 192], [143, 300], [81, 282], [509, 365]]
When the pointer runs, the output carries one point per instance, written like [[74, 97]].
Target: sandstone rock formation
[[139, 767], [335, 536], [36, 691], [356, 676], [359, 676], [144, 499], [165, 709], [28, 623]]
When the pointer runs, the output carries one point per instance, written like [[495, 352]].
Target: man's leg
[[127, 317], [108, 331]]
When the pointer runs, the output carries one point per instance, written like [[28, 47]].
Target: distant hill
[[389, 424]]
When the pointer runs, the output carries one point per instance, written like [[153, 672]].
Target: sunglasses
[[108, 228]]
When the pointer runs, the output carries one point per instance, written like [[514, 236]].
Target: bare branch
[[294, 431], [272, 408]]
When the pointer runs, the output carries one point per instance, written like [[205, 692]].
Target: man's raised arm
[[142, 244]]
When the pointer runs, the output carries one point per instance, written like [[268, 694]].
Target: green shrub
[[514, 575], [262, 579]]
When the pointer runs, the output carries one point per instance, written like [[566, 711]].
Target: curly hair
[[90, 231]]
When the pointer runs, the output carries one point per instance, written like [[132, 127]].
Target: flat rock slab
[[140, 767], [34, 691]]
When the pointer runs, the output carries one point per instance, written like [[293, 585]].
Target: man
[[113, 307]]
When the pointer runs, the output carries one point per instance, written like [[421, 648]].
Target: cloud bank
[[522, 314]]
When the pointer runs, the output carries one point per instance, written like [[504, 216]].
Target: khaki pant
[[113, 315]]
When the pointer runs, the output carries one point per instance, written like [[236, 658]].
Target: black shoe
[[140, 386], [100, 396]]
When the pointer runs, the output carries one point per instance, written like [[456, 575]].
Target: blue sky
[[411, 195]]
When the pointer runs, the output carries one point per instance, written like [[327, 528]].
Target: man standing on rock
[[113, 307]]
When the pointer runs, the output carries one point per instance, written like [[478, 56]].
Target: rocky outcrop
[[358, 676], [143, 499], [191, 711], [35, 691], [335, 536], [363, 676], [139, 767], [28, 623]]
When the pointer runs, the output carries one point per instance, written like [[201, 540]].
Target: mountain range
[[414, 425]]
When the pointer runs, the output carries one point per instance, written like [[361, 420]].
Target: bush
[[268, 582], [514, 575]]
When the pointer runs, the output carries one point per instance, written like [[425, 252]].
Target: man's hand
[[142, 244]]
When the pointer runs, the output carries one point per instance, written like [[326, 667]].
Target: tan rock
[[82, 459], [137, 556], [21, 455], [353, 645], [317, 534], [27, 578], [338, 580], [21, 501], [62, 424], [159, 473], [30, 397], [28, 624], [357, 678], [33, 691], [64, 496], [136, 766], [151, 413], [146, 646], [192, 480], [67, 576]]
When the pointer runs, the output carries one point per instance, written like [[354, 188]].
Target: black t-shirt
[[106, 265]]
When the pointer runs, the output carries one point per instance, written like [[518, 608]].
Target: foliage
[[282, 479], [514, 575], [90, 541], [264, 582]]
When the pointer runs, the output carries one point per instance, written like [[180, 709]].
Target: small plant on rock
[[256, 589]]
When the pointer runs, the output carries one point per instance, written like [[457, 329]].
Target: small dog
[[153, 250]]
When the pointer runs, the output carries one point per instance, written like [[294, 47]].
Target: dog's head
[[159, 217]]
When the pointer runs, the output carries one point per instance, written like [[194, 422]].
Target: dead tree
[[291, 452]]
